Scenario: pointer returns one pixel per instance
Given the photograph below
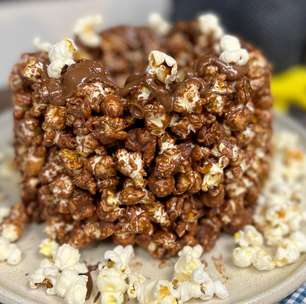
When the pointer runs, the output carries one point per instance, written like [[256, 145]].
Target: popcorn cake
[[156, 135]]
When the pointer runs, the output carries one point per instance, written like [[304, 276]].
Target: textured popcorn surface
[[153, 139]]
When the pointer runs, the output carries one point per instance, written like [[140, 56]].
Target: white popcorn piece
[[240, 57], [64, 281], [229, 43], [163, 66], [9, 231], [262, 260], [60, 55], [158, 24], [41, 45], [66, 257], [163, 292], [299, 238], [48, 248], [231, 51], [112, 280], [188, 261], [136, 281], [76, 294], [209, 24], [249, 236], [121, 256], [87, 30], [112, 298], [188, 290], [220, 290], [286, 253], [4, 212], [243, 256]]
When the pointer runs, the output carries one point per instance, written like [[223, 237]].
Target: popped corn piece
[[231, 51], [48, 248], [188, 290], [163, 292], [10, 232], [4, 212], [112, 298], [286, 253], [158, 24], [273, 235], [87, 30], [121, 256], [41, 45], [188, 261], [136, 280], [243, 256], [209, 24], [249, 236], [163, 66], [111, 280], [299, 238], [262, 260], [220, 290], [66, 257], [64, 281], [76, 294], [60, 55]]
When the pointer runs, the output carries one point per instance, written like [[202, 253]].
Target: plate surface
[[245, 285]]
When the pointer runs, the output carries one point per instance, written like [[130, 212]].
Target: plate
[[245, 285]]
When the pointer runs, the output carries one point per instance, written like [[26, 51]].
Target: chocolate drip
[[233, 72], [82, 72]]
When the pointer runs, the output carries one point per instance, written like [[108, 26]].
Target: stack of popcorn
[[157, 136]]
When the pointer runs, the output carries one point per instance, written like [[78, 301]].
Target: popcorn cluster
[[147, 141], [116, 281], [280, 211], [62, 273]]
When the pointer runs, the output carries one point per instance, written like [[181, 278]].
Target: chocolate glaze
[[232, 72], [82, 72]]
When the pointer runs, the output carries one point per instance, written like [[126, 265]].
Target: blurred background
[[276, 26]]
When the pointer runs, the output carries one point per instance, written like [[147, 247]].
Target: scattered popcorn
[[287, 252], [60, 55], [76, 294], [210, 25], [280, 210], [262, 260], [9, 253], [63, 274], [243, 256], [48, 248], [163, 66], [87, 30], [249, 236], [188, 261], [41, 45], [120, 256], [231, 51], [159, 24]]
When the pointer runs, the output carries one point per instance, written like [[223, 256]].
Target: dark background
[[276, 26]]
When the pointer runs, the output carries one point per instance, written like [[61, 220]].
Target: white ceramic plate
[[245, 285]]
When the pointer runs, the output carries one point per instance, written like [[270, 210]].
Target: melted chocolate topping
[[82, 72]]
